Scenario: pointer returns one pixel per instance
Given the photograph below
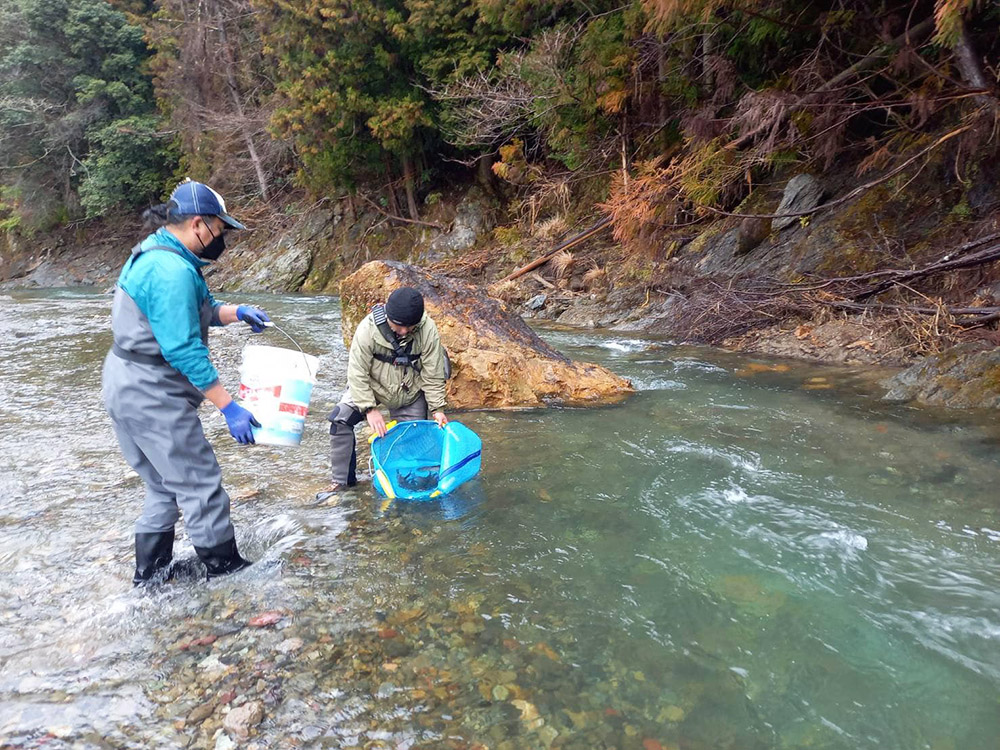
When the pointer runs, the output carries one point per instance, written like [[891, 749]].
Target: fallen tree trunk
[[942, 266], [824, 283], [565, 245], [984, 312]]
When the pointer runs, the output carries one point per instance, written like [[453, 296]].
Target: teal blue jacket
[[170, 291]]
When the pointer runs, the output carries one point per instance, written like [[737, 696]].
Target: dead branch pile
[[857, 293], [713, 313]]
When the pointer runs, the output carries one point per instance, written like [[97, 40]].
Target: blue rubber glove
[[239, 421], [252, 316]]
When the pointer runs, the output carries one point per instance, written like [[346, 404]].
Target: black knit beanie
[[405, 306]]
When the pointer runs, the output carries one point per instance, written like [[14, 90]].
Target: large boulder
[[497, 360], [282, 263], [282, 269]]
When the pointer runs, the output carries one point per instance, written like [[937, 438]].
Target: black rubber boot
[[153, 553], [222, 559]]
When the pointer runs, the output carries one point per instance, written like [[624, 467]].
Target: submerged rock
[[266, 619], [199, 713], [964, 377], [497, 360], [289, 645], [241, 720]]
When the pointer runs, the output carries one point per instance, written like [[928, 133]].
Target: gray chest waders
[[153, 409]]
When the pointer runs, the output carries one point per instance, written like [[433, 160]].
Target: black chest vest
[[402, 356]]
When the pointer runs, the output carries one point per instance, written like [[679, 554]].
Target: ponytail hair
[[161, 215]]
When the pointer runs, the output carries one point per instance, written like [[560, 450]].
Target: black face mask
[[215, 248]]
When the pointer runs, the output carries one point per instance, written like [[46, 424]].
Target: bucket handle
[[305, 358]]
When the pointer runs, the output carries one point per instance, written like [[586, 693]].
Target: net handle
[[371, 456]]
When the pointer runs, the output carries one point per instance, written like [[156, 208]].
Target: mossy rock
[[964, 377]]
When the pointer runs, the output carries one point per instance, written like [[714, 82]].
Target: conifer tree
[[77, 123]]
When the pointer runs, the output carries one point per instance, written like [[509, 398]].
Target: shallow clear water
[[744, 554]]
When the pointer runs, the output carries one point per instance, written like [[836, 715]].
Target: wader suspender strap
[[401, 356], [144, 359]]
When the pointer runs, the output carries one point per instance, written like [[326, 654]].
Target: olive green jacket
[[376, 383]]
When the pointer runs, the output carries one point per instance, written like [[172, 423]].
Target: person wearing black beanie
[[396, 362], [405, 306]]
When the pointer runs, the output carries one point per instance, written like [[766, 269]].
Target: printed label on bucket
[[281, 410], [275, 385]]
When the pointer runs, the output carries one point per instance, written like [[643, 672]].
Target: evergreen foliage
[[74, 99], [688, 103], [126, 164]]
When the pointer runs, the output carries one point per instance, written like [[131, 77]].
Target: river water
[[744, 554]]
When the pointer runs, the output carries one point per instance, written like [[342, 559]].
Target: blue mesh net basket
[[419, 460]]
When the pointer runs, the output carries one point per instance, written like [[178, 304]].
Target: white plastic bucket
[[275, 384]]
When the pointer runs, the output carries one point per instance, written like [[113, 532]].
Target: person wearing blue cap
[[157, 373]]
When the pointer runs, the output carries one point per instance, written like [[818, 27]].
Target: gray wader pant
[[154, 411], [343, 447]]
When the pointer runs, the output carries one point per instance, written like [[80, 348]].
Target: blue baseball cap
[[198, 199]]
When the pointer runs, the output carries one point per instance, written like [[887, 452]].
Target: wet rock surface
[[964, 377], [497, 360]]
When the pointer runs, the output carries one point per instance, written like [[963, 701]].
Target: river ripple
[[745, 554]]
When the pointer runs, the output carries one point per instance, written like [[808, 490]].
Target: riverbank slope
[[818, 285]]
